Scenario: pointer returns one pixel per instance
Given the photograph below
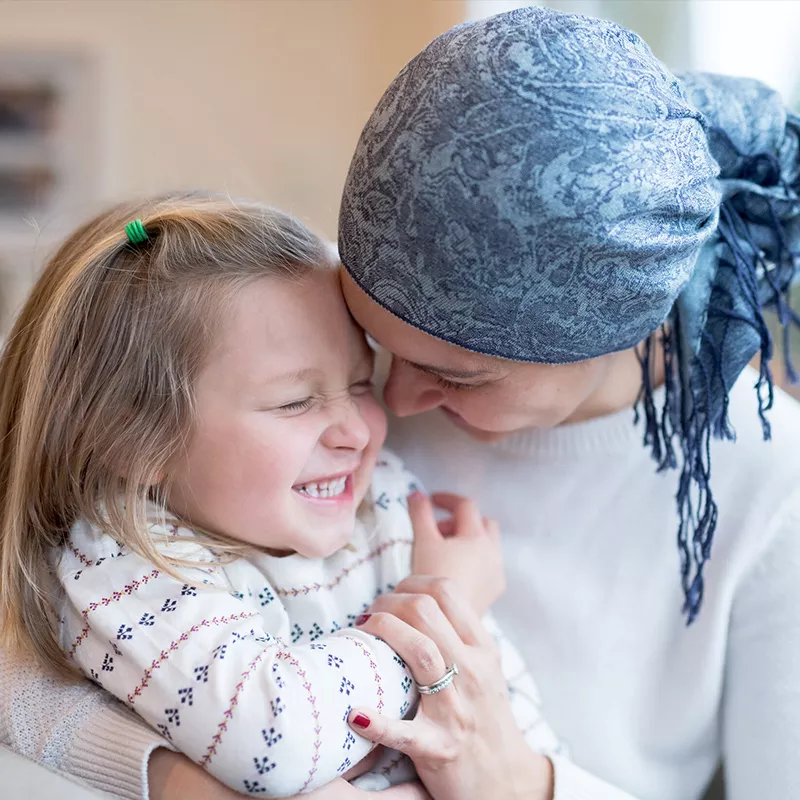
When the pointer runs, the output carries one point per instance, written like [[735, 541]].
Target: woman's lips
[[456, 418]]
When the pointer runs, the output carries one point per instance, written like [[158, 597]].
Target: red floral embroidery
[[376, 675], [173, 646], [114, 597]]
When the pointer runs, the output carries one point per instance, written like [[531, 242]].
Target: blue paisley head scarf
[[537, 186]]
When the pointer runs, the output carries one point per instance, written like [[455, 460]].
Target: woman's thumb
[[396, 734]]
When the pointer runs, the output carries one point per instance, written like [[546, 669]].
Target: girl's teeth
[[330, 489]]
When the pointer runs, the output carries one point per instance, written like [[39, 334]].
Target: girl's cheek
[[376, 421]]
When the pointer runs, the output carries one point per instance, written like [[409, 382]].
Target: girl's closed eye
[[297, 405]]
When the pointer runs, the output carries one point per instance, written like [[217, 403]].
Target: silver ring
[[442, 683]]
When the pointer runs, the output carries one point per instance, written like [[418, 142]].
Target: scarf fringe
[[686, 414]]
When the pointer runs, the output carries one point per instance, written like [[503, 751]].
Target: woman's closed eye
[[448, 384], [364, 386]]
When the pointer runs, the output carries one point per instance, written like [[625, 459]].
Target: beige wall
[[258, 97]]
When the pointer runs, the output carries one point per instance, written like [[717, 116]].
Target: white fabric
[[74, 729], [251, 666], [589, 535]]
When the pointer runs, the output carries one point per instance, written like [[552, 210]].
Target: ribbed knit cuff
[[574, 783], [111, 752]]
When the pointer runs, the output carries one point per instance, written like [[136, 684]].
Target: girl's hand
[[464, 548], [464, 741]]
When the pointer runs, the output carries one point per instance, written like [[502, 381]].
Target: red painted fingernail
[[361, 721], [362, 619]]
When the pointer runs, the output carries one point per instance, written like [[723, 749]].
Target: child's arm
[[206, 669]]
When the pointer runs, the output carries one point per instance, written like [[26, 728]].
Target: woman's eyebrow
[[445, 372]]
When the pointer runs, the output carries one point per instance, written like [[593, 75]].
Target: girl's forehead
[[284, 327]]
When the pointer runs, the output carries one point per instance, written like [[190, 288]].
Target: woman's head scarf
[[537, 186]]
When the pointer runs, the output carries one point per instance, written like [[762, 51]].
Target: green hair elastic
[[135, 232]]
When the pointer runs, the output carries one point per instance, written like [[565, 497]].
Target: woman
[[534, 227]]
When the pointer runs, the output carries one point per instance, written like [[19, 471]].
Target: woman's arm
[[761, 704], [75, 729]]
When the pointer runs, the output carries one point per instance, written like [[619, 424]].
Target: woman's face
[[490, 397]]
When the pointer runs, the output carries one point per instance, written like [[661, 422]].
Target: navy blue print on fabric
[[124, 632], [271, 737]]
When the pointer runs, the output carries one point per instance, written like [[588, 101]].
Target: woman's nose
[[408, 392]]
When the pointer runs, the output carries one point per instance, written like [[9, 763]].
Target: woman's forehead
[[410, 343]]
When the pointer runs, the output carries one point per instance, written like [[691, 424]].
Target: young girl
[[191, 446]]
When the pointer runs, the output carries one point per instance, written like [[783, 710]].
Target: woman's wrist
[[546, 778], [534, 779]]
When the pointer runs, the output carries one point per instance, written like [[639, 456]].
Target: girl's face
[[490, 397], [287, 430]]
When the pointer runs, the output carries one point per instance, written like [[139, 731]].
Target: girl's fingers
[[423, 613], [423, 518], [454, 605], [419, 651], [447, 527], [467, 518]]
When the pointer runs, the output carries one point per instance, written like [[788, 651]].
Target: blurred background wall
[[259, 98], [263, 98]]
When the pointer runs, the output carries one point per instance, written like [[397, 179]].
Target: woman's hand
[[340, 789], [463, 741], [465, 547]]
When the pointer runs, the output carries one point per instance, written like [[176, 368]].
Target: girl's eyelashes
[[358, 388], [297, 405]]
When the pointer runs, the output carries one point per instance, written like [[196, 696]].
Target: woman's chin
[[476, 433]]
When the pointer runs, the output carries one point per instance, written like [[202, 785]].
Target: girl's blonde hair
[[96, 379]]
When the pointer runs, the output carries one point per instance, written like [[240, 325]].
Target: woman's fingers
[[453, 602], [417, 738], [423, 613], [420, 652]]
